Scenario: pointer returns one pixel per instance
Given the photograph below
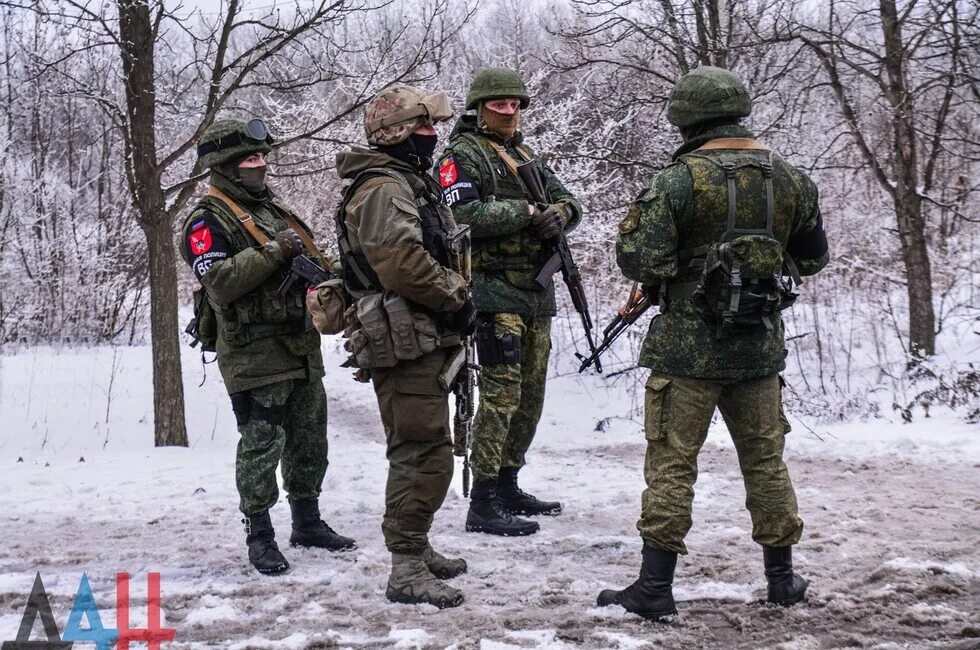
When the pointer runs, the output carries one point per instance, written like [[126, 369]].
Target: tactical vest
[[732, 259], [518, 251], [359, 278], [262, 312]]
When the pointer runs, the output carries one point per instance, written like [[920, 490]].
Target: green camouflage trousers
[[511, 398], [285, 421], [678, 413], [415, 413]]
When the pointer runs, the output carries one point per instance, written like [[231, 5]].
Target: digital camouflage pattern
[[484, 194], [218, 130], [511, 398], [263, 337], [706, 94], [678, 412], [663, 221], [383, 222], [284, 421], [496, 83]]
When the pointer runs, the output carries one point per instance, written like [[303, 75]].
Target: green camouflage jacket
[[485, 194], [382, 221], [686, 207], [262, 337]]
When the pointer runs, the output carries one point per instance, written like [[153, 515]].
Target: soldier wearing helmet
[[719, 240], [411, 311], [511, 241], [239, 242]]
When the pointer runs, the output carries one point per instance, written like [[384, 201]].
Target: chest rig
[[357, 273], [519, 251]]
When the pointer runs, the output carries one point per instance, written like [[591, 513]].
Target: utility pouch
[[374, 348], [203, 328], [327, 304], [383, 329], [492, 350]]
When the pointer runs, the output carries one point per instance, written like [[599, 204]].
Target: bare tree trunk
[[908, 204], [136, 31]]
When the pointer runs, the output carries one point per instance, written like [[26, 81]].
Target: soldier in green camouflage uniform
[[269, 359], [511, 241], [663, 244], [392, 231]]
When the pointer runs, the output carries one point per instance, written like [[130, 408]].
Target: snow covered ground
[[891, 511]]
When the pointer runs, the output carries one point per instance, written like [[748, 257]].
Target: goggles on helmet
[[255, 131]]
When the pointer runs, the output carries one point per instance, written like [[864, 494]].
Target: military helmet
[[496, 83], [231, 139], [707, 93], [396, 112]]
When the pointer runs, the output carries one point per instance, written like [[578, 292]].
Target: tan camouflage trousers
[[511, 398], [678, 413], [415, 414], [285, 421]]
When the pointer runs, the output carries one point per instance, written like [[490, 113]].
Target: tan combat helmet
[[396, 112]]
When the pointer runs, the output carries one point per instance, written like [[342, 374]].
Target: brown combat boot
[[412, 583], [441, 566]]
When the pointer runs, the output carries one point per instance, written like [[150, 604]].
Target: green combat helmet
[[496, 83], [396, 112], [705, 94], [232, 139]]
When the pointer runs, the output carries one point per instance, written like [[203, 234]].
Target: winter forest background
[[102, 103]]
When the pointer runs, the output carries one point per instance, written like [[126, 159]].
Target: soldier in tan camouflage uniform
[[715, 239], [410, 312]]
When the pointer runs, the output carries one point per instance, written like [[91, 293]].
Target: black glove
[[547, 224], [289, 243], [464, 319]]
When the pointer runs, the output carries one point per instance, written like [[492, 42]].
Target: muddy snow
[[890, 546]]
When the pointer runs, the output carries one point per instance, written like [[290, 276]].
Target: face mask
[[425, 146], [253, 178], [503, 125]]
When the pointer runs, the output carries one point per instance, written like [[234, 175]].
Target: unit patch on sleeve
[[206, 244], [457, 185]]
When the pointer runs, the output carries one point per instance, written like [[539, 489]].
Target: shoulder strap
[[300, 228], [340, 220], [243, 217], [729, 168], [472, 139]]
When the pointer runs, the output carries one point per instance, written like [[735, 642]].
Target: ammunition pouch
[[327, 304], [203, 328], [384, 328], [491, 350]]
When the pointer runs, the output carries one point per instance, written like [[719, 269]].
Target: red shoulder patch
[[200, 240], [447, 172]]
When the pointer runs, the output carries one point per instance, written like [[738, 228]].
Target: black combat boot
[[310, 530], [650, 596], [263, 552], [785, 587], [486, 515], [518, 502]]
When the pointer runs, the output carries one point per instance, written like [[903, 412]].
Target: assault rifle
[[459, 373], [635, 306], [304, 268], [561, 258]]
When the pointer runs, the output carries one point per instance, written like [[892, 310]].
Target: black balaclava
[[417, 150]]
